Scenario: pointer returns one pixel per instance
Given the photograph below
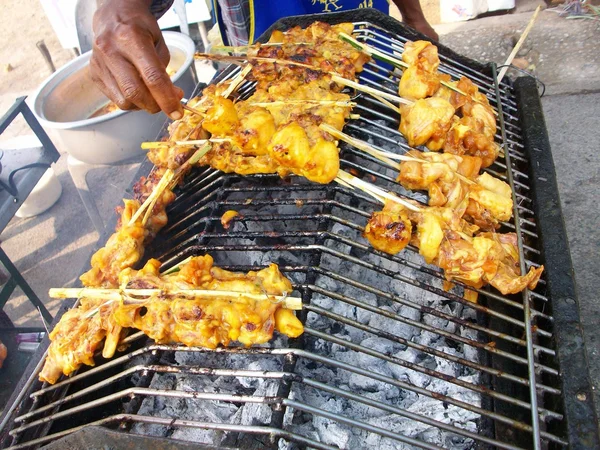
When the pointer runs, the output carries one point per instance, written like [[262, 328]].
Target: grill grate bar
[[425, 349], [480, 389], [436, 274], [528, 318], [259, 399], [125, 418], [199, 208]]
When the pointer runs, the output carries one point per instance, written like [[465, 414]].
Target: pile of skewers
[[292, 124]]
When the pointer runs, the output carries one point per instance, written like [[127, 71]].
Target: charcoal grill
[[389, 359]]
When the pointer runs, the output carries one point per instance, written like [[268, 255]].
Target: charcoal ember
[[392, 326], [332, 432], [265, 364], [362, 315], [440, 322]]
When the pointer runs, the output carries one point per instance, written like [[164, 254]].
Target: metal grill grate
[[359, 304]]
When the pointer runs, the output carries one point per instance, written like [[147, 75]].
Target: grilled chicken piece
[[416, 83], [255, 131], [77, 336], [229, 158], [291, 149], [123, 249], [422, 53], [426, 121], [420, 79], [493, 195], [485, 202], [389, 230], [475, 105], [487, 258], [467, 136], [221, 118]]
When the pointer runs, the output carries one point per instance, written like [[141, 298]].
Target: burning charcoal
[[363, 316], [263, 365], [197, 435], [392, 326], [331, 432]]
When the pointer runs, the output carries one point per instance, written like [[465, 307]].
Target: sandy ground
[[23, 25], [22, 66]]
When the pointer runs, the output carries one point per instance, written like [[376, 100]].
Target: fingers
[[129, 68], [144, 56], [131, 85], [163, 51], [108, 85]]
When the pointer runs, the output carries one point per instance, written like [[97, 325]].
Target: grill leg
[[18, 280]]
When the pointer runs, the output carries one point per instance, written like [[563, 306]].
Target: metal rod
[[535, 418]]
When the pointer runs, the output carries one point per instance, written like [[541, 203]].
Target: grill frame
[[580, 428]]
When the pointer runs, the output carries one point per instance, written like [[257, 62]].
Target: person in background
[[241, 21], [129, 56]]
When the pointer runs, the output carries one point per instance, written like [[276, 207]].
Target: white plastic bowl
[[66, 100]]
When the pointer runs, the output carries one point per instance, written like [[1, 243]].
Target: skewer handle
[[117, 294]]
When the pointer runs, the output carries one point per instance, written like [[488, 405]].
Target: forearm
[[411, 10], [412, 15], [156, 7]]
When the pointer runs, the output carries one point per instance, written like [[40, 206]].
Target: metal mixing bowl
[[66, 100]]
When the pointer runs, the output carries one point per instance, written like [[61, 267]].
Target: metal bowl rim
[[173, 38]]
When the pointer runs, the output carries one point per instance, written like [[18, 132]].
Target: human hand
[[130, 57], [423, 26]]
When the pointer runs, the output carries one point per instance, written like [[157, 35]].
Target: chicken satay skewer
[[170, 177], [379, 193], [334, 76], [385, 157], [127, 295], [396, 62]]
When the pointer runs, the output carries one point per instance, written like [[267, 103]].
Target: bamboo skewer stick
[[518, 45], [375, 191], [190, 143], [177, 266], [153, 197], [294, 303], [192, 110], [386, 103], [372, 51], [369, 90], [361, 145], [385, 157], [302, 102], [237, 80]]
